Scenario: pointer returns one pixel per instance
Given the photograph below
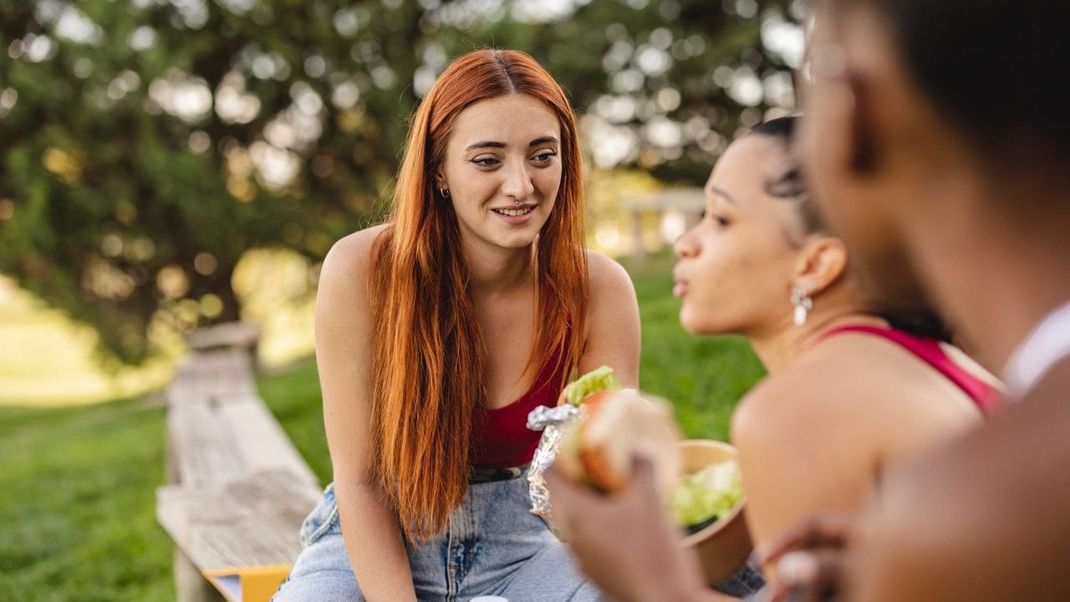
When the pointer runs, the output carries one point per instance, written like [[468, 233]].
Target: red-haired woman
[[436, 334]]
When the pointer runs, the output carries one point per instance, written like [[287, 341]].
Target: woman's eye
[[720, 220], [485, 161], [545, 157]]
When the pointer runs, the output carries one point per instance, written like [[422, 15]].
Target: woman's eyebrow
[[543, 140], [485, 144], [721, 192], [496, 144]]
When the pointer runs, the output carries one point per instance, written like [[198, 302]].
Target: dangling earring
[[802, 302]]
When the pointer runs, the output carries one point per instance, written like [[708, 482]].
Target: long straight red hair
[[429, 355]]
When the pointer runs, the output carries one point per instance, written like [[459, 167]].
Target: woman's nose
[[685, 247], [518, 184]]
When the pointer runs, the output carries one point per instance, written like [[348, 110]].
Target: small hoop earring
[[801, 301], [445, 192]]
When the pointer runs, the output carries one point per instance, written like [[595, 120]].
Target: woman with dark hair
[[849, 395], [437, 333], [938, 140]]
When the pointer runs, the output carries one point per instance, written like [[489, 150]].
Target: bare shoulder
[[804, 448], [342, 296], [829, 398], [847, 410], [865, 377], [612, 330], [607, 276], [351, 253], [774, 417], [811, 388]]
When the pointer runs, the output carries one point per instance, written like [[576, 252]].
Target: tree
[[147, 144]]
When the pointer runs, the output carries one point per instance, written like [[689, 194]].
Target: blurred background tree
[[149, 144]]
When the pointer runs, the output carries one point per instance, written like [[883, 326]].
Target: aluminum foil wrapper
[[552, 422]]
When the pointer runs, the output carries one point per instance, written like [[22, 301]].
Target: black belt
[[481, 474]]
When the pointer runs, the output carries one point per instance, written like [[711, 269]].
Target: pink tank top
[[983, 394], [500, 436]]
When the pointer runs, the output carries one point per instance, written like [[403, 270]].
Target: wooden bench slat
[[234, 334], [206, 453], [251, 522], [240, 488], [261, 441], [212, 374], [219, 441]]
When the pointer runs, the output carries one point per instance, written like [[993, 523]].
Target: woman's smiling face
[[502, 169]]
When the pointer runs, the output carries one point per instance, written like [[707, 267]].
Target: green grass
[[77, 504], [294, 398], [77, 487], [704, 377]]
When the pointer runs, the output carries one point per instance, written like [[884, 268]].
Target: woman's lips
[[679, 289], [515, 220]]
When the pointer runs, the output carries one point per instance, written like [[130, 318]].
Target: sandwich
[[614, 423]]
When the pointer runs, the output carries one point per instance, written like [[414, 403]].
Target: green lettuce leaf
[[707, 494], [594, 381]]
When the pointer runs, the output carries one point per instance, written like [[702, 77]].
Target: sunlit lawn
[[77, 492], [77, 486]]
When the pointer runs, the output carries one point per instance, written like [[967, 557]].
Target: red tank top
[[929, 351], [500, 436]]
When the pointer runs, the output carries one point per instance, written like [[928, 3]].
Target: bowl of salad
[[708, 503]]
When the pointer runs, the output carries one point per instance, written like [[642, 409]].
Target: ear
[[822, 262], [440, 178], [851, 137], [862, 142]]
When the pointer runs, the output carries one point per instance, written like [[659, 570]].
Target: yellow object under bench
[[248, 584]]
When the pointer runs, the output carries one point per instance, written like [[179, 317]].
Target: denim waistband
[[490, 474]]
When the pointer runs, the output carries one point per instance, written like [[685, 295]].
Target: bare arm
[[798, 458], [816, 437], [612, 321], [343, 355]]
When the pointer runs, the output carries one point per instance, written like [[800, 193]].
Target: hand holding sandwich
[[624, 541]]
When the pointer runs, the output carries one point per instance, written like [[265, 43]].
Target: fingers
[[813, 532], [561, 495], [562, 486], [644, 474], [805, 576], [555, 480]]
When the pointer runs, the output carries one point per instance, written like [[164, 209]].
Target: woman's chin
[[700, 324], [688, 320]]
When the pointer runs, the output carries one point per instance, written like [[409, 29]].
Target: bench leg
[[190, 585]]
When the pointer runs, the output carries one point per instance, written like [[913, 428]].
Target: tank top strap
[[930, 351]]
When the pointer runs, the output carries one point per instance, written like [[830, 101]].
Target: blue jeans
[[493, 545]]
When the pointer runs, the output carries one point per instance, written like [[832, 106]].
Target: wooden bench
[[243, 336], [238, 489]]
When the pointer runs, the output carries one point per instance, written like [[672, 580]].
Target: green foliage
[[147, 144]]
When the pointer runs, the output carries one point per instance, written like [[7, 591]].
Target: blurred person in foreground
[[939, 144], [853, 388], [437, 333]]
